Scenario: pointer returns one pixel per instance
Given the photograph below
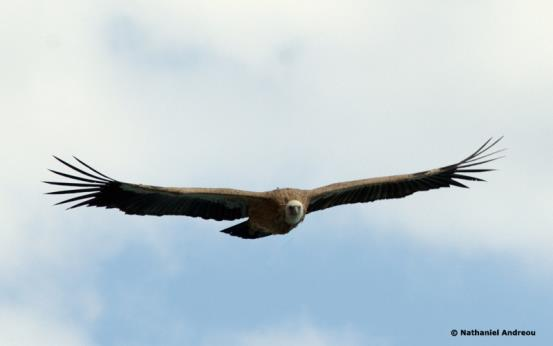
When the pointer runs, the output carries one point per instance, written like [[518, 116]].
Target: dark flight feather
[[217, 204], [368, 190]]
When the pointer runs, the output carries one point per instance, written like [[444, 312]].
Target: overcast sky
[[264, 94]]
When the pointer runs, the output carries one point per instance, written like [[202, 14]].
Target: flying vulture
[[268, 213]]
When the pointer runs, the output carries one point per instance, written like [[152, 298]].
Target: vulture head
[[293, 213]]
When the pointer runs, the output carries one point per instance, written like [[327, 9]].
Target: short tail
[[243, 230]]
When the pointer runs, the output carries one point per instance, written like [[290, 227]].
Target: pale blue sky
[[258, 95]]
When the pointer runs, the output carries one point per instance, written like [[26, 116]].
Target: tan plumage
[[268, 213]]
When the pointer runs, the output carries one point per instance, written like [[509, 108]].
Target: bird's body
[[273, 215], [269, 213]]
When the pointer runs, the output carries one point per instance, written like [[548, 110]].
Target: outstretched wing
[[95, 189], [398, 186]]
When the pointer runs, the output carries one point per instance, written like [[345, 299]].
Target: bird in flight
[[269, 213]]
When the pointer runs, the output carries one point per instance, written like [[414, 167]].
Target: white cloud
[[431, 82], [21, 327]]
